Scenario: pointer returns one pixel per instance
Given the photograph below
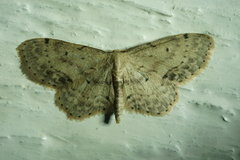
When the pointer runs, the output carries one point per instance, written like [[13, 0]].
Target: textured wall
[[203, 125]]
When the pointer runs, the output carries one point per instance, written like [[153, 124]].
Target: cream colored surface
[[203, 125]]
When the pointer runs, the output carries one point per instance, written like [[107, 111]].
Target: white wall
[[203, 125]]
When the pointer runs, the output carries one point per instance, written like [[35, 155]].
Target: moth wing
[[85, 98], [177, 58], [81, 75], [147, 93], [54, 63]]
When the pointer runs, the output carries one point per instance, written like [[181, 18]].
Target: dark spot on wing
[[46, 40], [49, 72], [153, 45], [81, 48], [69, 80], [185, 36], [61, 79]]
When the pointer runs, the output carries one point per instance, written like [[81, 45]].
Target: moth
[[89, 81]]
